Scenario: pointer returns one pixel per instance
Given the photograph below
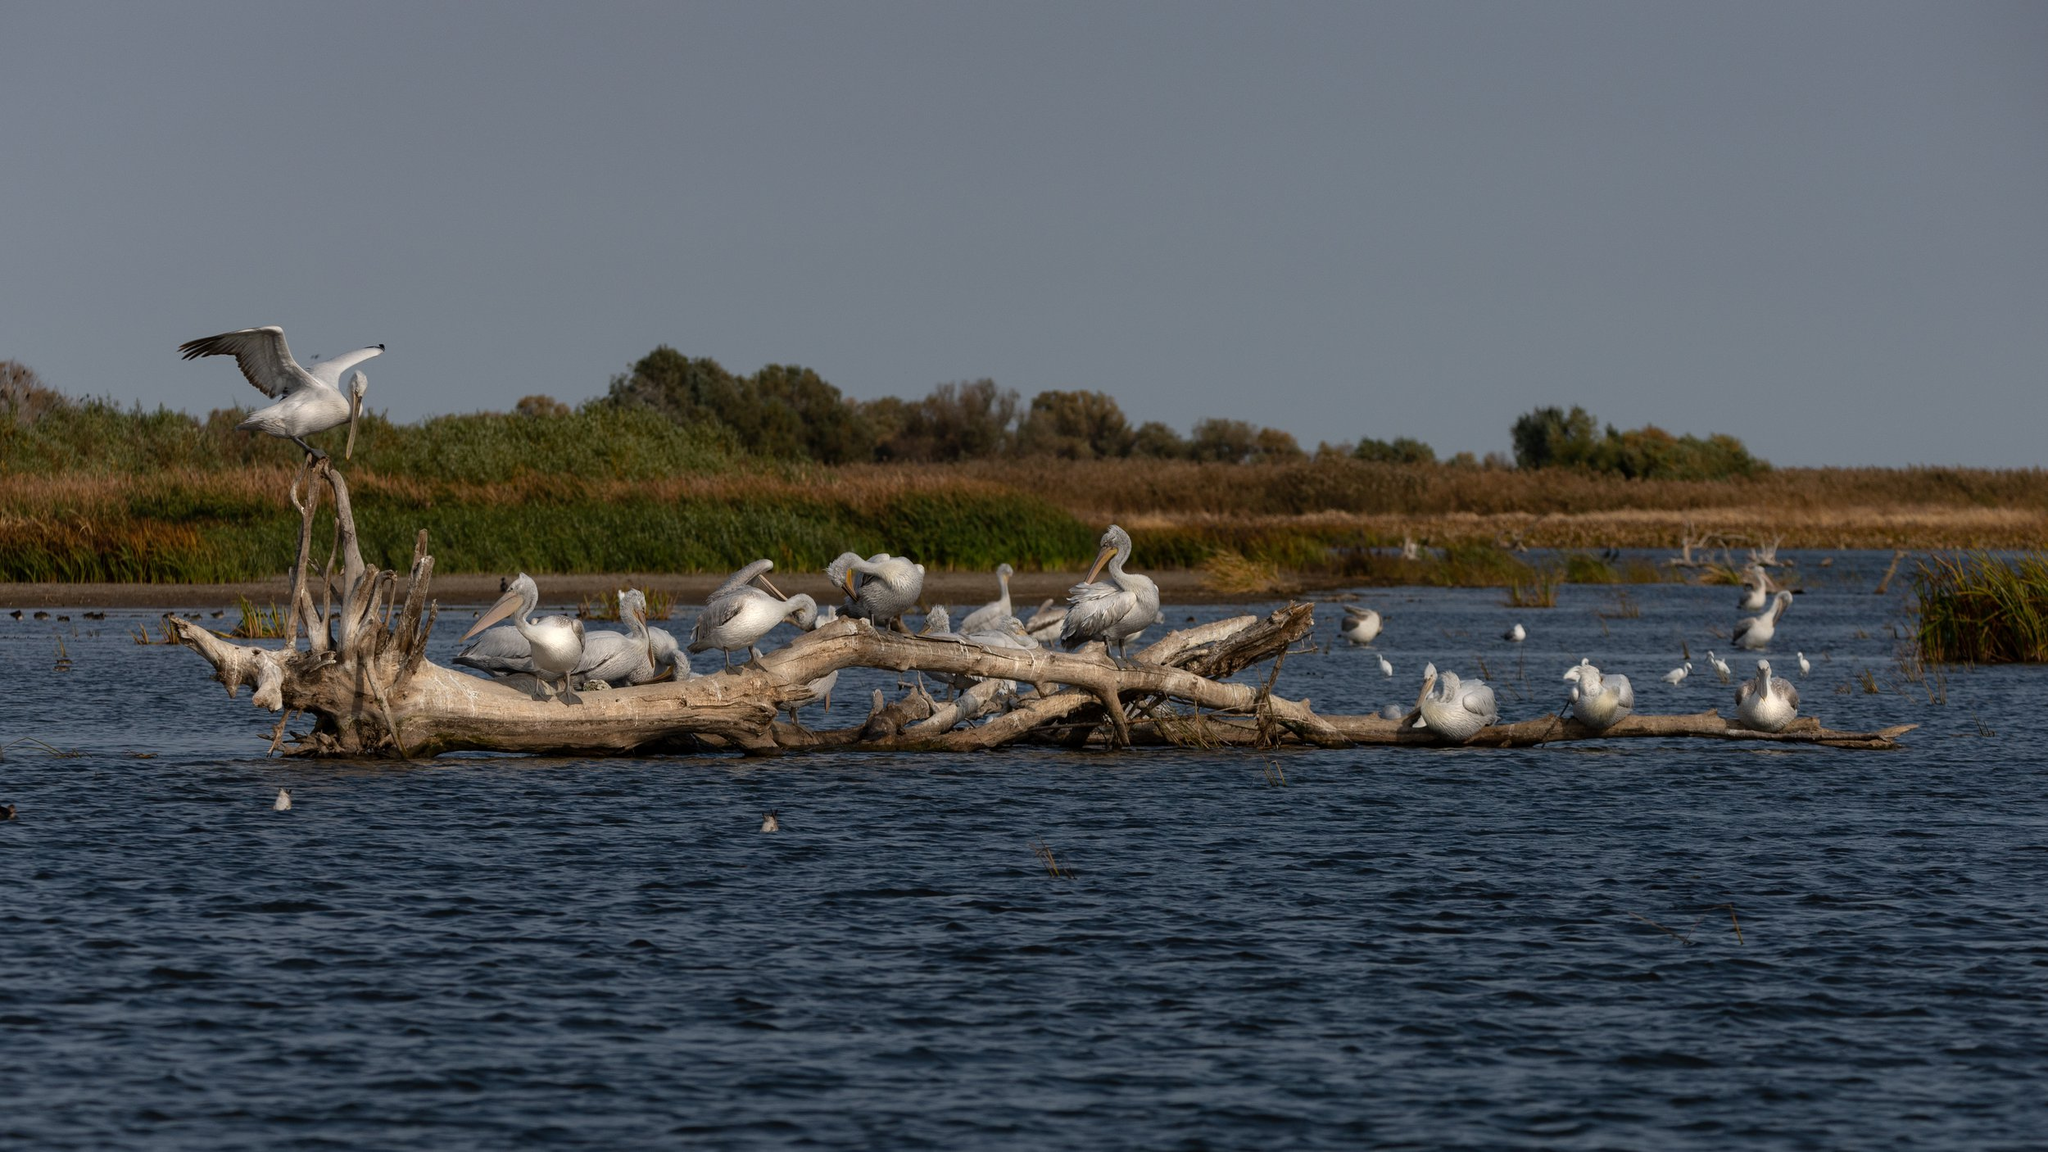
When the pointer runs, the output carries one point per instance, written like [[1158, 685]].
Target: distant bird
[[1804, 667], [555, 643], [309, 400], [6, 813], [1454, 708], [1386, 669], [1720, 666], [1677, 675], [879, 589], [16, 613], [1766, 703], [1597, 700], [1361, 625], [1515, 635], [283, 802], [1115, 610], [1754, 632], [989, 615], [769, 823], [1756, 589]]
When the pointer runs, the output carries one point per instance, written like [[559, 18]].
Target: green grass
[[1980, 609]]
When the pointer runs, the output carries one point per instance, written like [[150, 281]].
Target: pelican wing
[[1744, 691], [716, 614], [1623, 692], [329, 371], [498, 651], [742, 578], [1093, 608], [613, 657], [1476, 697], [262, 355], [1786, 691]]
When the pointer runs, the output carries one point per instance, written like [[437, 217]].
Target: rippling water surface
[[1625, 945]]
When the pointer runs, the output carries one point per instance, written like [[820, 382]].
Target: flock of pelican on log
[[364, 679]]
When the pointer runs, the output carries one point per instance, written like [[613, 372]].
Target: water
[[1397, 948]]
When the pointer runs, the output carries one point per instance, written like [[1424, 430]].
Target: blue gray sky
[[1822, 227]]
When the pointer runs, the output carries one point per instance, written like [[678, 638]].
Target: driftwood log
[[364, 680]]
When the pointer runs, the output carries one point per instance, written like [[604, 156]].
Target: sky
[[1821, 227]]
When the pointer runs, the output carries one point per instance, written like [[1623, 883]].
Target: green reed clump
[[1983, 609], [1583, 568]]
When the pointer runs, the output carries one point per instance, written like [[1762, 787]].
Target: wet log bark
[[365, 680]]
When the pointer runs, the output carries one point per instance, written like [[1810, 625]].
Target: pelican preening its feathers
[[554, 643], [1766, 703], [309, 399], [1455, 709], [737, 615], [1115, 610], [879, 589], [1598, 700]]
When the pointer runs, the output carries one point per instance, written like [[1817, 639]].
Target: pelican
[[1515, 635], [989, 615], [1118, 610], [554, 643], [879, 589], [283, 803], [1804, 667], [309, 400], [1598, 700], [738, 614], [1756, 589], [1720, 666], [1361, 625], [1454, 708], [616, 658], [1386, 669], [1045, 624], [769, 823], [1754, 632], [1677, 675], [1766, 703]]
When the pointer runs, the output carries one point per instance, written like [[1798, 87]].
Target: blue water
[[1394, 948]]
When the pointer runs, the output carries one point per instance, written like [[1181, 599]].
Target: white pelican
[[309, 400], [990, 615], [879, 589], [1756, 589], [1720, 666], [1677, 675], [769, 823], [283, 803], [1515, 635], [1386, 669], [738, 614], [617, 658], [1766, 703], [1361, 625], [1045, 624], [1754, 632], [1804, 667], [554, 643], [1599, 700], [1453, 708], [1117, 610]]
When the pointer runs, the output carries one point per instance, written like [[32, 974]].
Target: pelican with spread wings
[[309, 399]]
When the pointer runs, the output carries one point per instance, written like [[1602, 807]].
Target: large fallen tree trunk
[[364, 679]]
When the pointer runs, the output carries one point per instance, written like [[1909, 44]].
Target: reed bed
[[1983, 609]]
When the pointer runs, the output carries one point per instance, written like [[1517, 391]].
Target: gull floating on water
[[769, 823], [1516, 634], [1754, 632], [1114, 610], [1767, 703], [283, 802], [309, 400]]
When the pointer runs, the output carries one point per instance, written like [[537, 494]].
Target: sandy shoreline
[[1176, 586]]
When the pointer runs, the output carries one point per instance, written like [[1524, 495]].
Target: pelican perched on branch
[[1361, 625], [1598, 700], [879, 589], [990, 615], [616, 658], [1766, 703], [1454, 708], [1754, 632], [737, 615], [309, 400], [554, 643], [1115, 610]]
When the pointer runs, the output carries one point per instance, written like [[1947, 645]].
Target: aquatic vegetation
[[1983, 609]]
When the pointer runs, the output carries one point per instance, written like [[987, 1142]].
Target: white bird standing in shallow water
[[1386, 669], [1677, 675], [283, 802], [1598, 700], [1754, 632], [1804, 667], [554, 642], [1720, 666], [1361, 625], [1113, 611], [1454, 708], [1767, 703], [1515, 635], [309, 400]]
